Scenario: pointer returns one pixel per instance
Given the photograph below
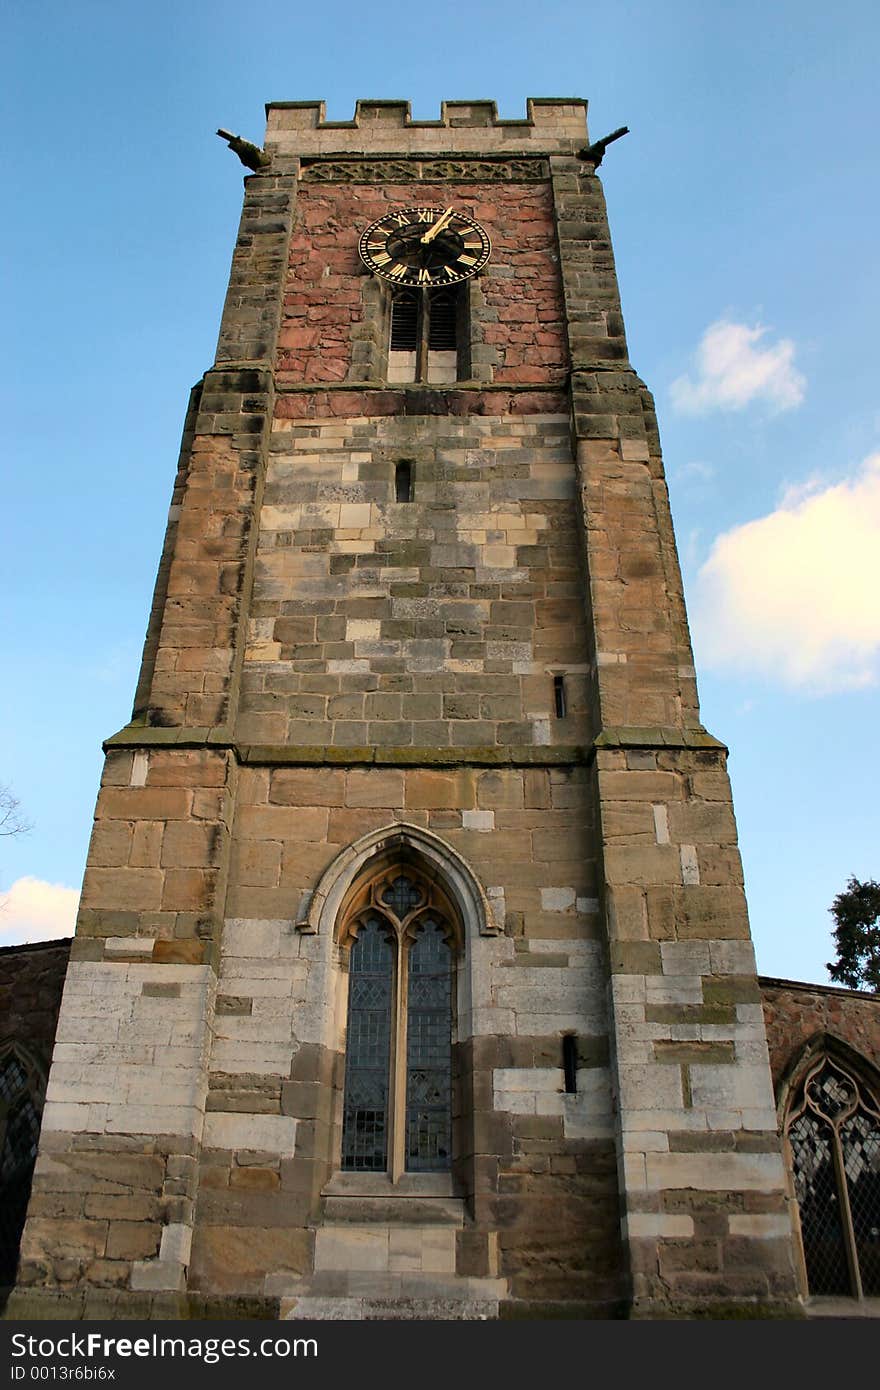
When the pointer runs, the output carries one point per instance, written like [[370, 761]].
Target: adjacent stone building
[[31, 981], [412, 976]]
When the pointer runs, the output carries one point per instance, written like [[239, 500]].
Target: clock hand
[[437, 227]]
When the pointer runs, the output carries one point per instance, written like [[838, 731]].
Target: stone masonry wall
[[31, 982], [536, 1165], [437, 623], [330, 308], [795, 1013]]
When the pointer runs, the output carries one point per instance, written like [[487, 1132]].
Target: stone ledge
[[630, 736], [420, 388], [327, 755], [410, 1211], [443, 1307], [138, 736], [141, 736]]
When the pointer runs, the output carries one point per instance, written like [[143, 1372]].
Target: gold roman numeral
[[382, 258], [448, 270], [397, 271], [425, 215], [467, 260], [424, 277], [401, 220]]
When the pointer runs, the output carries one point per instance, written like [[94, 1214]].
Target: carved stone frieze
[[528, 170]]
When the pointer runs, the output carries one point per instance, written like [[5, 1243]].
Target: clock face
[[425, 246]]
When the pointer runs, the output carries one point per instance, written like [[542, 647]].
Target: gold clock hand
[[437, 227]]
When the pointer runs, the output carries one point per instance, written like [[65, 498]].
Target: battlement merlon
[[553, 125]]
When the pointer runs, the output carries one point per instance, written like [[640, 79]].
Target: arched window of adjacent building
[[403, 941], [22, 1087], [833, 1133], [428, 335]]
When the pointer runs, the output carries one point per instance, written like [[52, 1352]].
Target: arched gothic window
[[21, 1092], [402, 939], [833, 1130]]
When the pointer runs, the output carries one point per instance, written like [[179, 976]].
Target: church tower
[[412, 975]]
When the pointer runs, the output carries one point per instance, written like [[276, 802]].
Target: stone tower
[[413, 974]]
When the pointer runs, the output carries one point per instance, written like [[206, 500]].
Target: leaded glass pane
[[816, 1190], [19, 1151], [429, 1053], [367, 1057], [22, 1135], [831, 1092], [860, 1141], [13, 1078], [402, 896]]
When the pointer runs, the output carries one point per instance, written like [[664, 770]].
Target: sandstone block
[[425, 789], [374, 787], [271, 1133], [124, 889]]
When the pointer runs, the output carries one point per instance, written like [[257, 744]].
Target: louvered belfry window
[[833, 1130], [397, 1110], [405, 316], [427, 335]]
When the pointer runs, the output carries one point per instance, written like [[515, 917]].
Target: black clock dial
[[425, 246]]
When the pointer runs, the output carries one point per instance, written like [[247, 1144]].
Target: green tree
[[856, 916]]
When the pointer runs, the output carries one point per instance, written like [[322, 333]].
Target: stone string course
[[405, 170]]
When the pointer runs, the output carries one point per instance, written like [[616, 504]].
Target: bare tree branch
[[12, 822]]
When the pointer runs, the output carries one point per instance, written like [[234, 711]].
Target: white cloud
[[732, 371], [696, 469], [793, 596], [33, 910]]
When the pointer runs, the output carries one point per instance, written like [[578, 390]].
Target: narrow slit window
[[569, 1062], [559, 705], [403, 475]]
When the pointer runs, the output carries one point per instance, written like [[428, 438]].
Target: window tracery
[[402, 938], [833, 1132]]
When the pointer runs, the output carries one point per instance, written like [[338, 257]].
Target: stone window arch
[[832, 1135], [401, 939], [22, 1089]]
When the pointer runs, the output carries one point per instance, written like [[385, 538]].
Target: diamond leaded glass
[[831, 1093], [860, 1138], [402, 896], [367, 1058], [816, 1188], [429, 1052], [20, 1131], [835, 1144], [13, 1078]]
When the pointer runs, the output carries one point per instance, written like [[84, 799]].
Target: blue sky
[[744, 211]]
